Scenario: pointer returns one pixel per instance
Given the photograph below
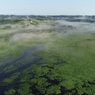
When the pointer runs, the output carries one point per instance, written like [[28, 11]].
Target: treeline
[[72, 18]]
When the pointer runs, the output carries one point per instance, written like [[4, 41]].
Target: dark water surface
[[29, 57]]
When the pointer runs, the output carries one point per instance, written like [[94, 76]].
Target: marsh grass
[[67, 60], [76, 54]]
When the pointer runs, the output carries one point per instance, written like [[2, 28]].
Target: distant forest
[[71, 18]]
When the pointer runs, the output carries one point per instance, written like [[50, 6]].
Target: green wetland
[[47, 57]]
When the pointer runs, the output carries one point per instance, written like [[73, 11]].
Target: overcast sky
[[47, 7]]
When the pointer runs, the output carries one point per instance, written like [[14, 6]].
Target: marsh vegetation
[[47, 57]]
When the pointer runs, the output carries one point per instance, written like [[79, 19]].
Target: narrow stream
[[30, 54]]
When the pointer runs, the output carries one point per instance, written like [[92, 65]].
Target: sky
[[47, 7]]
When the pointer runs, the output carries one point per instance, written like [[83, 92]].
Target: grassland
[[60, 59]]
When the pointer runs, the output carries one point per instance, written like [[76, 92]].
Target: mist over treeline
[[71, 18]]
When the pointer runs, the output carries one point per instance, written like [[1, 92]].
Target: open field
[[47, 57]]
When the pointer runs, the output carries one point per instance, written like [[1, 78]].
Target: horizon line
[[47, 15]]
